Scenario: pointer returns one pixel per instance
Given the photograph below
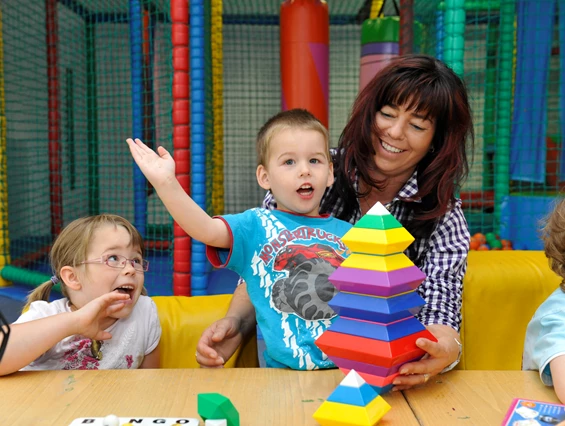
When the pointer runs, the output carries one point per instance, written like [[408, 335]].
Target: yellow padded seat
[[501, 292], [183, 319]]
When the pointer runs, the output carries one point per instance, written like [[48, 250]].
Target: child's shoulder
[[42, 309], [553, 305]]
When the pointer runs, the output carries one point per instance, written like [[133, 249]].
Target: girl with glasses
[[105, 319]]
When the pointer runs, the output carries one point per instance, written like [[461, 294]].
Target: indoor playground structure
[[77, 77]]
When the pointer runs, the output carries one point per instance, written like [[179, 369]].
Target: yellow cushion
[[183, 319], [501, 292]]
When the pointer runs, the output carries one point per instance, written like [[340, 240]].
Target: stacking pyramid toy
[[376, 330], [353, 402]]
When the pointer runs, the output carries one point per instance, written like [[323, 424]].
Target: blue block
[[382, 390], [353, 396], [378, 331], [377, 309]]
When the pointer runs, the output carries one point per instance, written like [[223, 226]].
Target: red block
[[370, 351]]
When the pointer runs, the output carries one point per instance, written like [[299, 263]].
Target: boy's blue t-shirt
[[286, 259], [545, 336]]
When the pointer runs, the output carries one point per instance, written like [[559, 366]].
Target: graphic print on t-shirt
[[306, 290]]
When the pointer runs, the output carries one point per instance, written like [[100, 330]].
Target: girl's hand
[[90, 319], [439, 355], [158, 169]]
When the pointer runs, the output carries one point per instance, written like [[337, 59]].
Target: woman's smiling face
[[405, 138]]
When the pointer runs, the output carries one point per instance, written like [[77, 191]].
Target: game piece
[[353, 402], [377, 299], [111, 420], [217, 406], [216, 422], [135, 421]]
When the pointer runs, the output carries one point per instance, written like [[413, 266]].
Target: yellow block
[[388, 263], [336, 414], [377, 241]]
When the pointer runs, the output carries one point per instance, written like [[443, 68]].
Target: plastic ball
[[480, 237], [483, 247], [495, 245], [475, 243]]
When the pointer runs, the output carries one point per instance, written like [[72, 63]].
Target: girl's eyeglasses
[[117, 261]]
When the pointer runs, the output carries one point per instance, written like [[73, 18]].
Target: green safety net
[[94, 109]]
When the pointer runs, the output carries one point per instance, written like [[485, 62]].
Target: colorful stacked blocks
[[376, 330], [353, 402]]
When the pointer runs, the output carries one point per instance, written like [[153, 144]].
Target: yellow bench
[[501, 292]]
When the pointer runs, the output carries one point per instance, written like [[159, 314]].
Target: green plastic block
[[378, 222], [217, 406]]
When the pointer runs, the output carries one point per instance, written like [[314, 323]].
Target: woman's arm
[[444, 263]]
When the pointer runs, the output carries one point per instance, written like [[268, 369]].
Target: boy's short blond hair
[[294, 118]]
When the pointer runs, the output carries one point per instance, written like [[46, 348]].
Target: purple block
[[375, 370], [377, 283]]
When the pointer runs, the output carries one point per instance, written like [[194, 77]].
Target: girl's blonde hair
[[553, 236], [291, 119], [71, 247]]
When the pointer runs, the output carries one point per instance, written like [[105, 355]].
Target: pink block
[[375, 370], [377, 283]]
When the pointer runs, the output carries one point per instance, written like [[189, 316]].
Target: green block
[[370, 221], [216, 406]]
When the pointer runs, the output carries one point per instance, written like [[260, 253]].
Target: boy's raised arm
[[159, 169]]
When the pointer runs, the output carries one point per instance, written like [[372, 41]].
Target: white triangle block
[[353, 380], [378, 210]]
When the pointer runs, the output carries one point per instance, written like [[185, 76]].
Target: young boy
[[285, 255], [544, 349]]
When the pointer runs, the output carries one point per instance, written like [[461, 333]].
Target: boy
[[286, 255]]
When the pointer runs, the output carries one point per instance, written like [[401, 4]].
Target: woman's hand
[[219, 342], [158, 169], [91, 318], [438, 355]]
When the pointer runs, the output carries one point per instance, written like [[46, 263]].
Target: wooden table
[[474, 397], [262, 396]]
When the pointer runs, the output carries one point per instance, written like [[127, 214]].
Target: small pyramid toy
[[376, 330], [353, 402]]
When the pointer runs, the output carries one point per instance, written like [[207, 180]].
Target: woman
[[403, 146]]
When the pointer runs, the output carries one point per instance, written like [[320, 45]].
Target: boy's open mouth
[[305, 189]]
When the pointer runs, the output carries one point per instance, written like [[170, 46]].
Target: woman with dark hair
[[405, 147]]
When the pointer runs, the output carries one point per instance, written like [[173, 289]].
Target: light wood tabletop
[[474, 397], [262, 396]]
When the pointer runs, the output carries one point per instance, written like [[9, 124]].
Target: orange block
[[370, 351]]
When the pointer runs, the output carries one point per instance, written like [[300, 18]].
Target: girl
[[105, 320]]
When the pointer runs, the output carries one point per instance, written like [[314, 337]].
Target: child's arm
[[152, 360], [220, 340], [30, 340], [160, 171], [557, 366]]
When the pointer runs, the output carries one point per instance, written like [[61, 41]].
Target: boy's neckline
[[321, 216]]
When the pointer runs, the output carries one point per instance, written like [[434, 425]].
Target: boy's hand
[[218, 343], [158, 169], [91, 317]]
